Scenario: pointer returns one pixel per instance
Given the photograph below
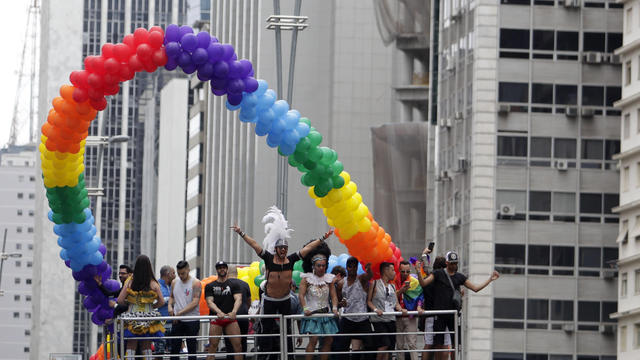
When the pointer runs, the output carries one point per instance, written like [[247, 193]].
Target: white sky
[[13, 22]]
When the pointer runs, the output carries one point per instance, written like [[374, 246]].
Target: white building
[[17, 213], [628, 314]]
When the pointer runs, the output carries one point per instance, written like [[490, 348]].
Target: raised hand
[[495, 275], [327, 234]]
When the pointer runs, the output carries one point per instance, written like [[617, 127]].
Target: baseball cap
[[452, 257], [281, 242], [221, 264]]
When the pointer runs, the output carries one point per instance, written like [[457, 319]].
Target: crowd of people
[[360, 305]]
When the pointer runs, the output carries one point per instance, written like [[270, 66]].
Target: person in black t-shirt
[[443, 294], [224, 299], [245, 290], [428, 291]]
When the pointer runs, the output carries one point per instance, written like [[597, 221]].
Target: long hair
[[142, 274], [439, 263], [323, 249]]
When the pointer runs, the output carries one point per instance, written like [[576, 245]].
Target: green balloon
[[303, 145], [305, 120], [336, 168], [338, 182], [315, 138], [258, 280], [327, 156], [314, 154], [300, 156], [298, 265], [310, 165], [296, 277], [323, 188], [307, 179], [292, 161], [261, 267]]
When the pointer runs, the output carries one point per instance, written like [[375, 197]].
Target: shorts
[[388, 341], [355, 327], [222, 322], [443, 322], [429, 336]]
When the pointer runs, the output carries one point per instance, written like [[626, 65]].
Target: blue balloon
[[266, 117], [249, 101], [95, 258], [266, 100], [63, 254], [291, 138], [291, 119], [247, 117], [278, 126], [262, 129], [273, 140], [287, 149], [360, 269], [262, 87], [302, 129], [280, 107]]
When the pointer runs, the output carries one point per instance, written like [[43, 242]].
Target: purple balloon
[[184, 60], [199, 56], [172, 33], [246, 67], [111, 285], [228, 52], [189, 69], [102, 249], [189, 42], [250, 84], [234, 99], [83, 288], [172, 49], [235, 69], [206, 70], [67, 263], [218, 92], [96, 320], [102, 267], [215, 52], [221, 69], [235, 86], [171, 64], [104, 313], [184, 29], [89, 304], [204, 39], [214, 39], [219, 84]]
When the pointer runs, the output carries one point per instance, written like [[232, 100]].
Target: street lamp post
[[5, 256]]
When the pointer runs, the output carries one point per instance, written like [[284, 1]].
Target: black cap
[[221, 264]]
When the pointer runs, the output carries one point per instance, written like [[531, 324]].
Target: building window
[[626, 126], [562, 256], [18, 263], [16, 297], [636, 280], [625, 179], [566, 94], [32, 196], [191, 248], [504, 355], [540, 201], [19, 229], [508, 313], [636, 336], [32, 178], [27, 298], [513, 92], [540, 147], [30, 246], [608, 308], [628, 19], [194, 156], [564, 148], [31, 212], [20, 195], [18, 246], [16, 280], [627, 73], [27, 332], [27, 315], [623, 285], [512, 146], [29, 264], [567, 41], [592, 95], [19, 212], [542, 93], [623, 338], [28, 281], [16, 315], [517, 199], [588, 311], [514, 39], [562, 310], [26, 349], [192, 218], [193, 187], [537, 313]]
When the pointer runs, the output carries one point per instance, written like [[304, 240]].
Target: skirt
[[136, 328], [321, 325]]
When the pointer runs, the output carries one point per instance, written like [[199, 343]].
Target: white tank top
[[356, 299], [183, 295]]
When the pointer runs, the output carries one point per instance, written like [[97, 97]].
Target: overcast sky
[[13, 22]]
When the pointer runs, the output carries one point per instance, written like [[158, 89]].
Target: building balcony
[[415, 95]]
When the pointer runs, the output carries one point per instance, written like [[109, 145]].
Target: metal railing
[[114, 344]]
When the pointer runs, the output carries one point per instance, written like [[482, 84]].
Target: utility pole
[[278, 23]]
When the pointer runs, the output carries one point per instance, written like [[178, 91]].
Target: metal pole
[[4, 244], [34, 49], [281, 187]]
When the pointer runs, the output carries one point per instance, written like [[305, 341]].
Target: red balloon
[[149, 66], [144, 51], [122, 52], [155, 39], [79, 78], [98, 104], [107, 50], [111, 79], [112, 89], [156, 29], [128, 39], [80, 95], [159, 57], [95, 81], [126, 73], [135, 64], [140, 36], [95, 94], [112, 66]]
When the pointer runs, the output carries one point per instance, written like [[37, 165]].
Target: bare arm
[[301, 293], [155, 286], [310, 246], [248, 239], [334, 298], [475, 288], [237, 301], [424, 281], [366, 277], [122, 297], [196, 289], [370, 293], [171, 299], [212, 306]]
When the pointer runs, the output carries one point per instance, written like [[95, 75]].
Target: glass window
[[564, 148], [623, 338], [613, 94], [193, 187], [541, 147], [589, 311], [623, 284], [537, 356], [562, 255], [512, 146], [608, 308], [590, 257], [614, 41], [611, 147], [194, 124], [514, 39], [564, 203], [590, 203], [609, 255], [508, 308], [566, 94], [537, 309], [191, 248], [543, 40], [516, 198], [562, 310], [592, 149], [542, 93], [592, 95], [192, 218], [510, 254], [513, 92], [507, 356], [194, 156], [610, 201], [593, 41], [540, 201], [567, 40], [539, 255]]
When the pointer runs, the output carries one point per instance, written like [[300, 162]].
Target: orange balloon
[[66, 91], [204, 308]]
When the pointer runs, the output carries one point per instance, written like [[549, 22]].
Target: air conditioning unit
[[562, 165], [456, 15], [458, 115], [587, 112], [572, 3], [607, 329], [592, 57], [462, 164], [448, 122], [444, 175], [452, 222], [614, 59], [571, 111], [507, 210], [568, 327], [608, 274], [504, 109]]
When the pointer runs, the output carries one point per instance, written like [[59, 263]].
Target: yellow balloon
[[335, 195], [242, 272], [319, 203], [345, 175], [364, 224], [312, 193]]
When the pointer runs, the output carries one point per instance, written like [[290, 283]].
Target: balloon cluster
[[249, 274], [341, 260], [202, 53]]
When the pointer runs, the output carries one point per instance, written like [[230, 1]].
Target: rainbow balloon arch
[[63, 145]]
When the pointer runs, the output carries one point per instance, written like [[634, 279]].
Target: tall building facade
[[628, 314], [523, 142], [17, 213]]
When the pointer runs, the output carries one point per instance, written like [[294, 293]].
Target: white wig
[[275, 228]]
